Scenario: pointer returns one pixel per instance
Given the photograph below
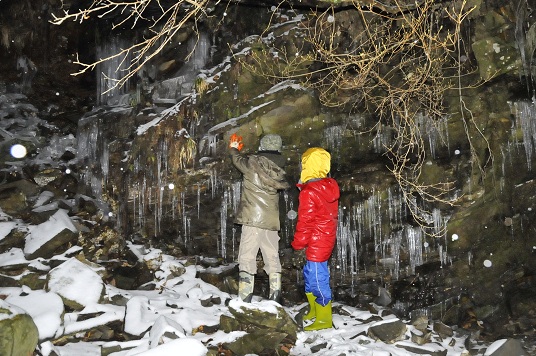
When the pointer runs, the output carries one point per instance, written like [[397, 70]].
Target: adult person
[[263, 177], [316, 231]]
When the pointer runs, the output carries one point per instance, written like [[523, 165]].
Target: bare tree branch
[[162, 27], [396, 67]]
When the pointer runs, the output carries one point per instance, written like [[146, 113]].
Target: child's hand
[[236, 142]]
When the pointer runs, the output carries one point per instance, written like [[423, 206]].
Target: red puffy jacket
[[316, 228]]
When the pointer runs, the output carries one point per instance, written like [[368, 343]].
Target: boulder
[[11, 235], [76, 283], [388, 331], [270, 330], [265, 315], [18, 333], [260, 342], [443, 330], [163, 330], [420, 337], [47, 320], [430, 349], [46, 176], [506, 347], [14, 196], [12, 201], [140, 316], [44, 239], [13, 260]]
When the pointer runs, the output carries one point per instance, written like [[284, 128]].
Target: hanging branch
[[162, 28], [398, 68]]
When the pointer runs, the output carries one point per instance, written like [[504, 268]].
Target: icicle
[[439, 225], [183, 203], [290, 221], [520, 32], [198, 200], [435, 131], [333, 138], [111, 71], [396, 207], [164, 153], [208, 145], [401, 307], [174, 210], [357, 218], [28, 70], [348, 241], [342, 243], [525, 113], [88, 134], [223, 223], [96, 185], [156, 213], [234, 240], [213, 182], [396, 239], [236, 190], [199, 47], [381, 140], [213, 144], [134, 217], [105, 162], [414, 241], [161, 161], [186, 227], [143, 202], [372, 211], [503, 170], [174, 205]]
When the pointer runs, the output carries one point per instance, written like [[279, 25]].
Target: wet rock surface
[[109, 168]]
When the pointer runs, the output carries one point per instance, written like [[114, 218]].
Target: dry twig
[[399, 68], [162, 27]]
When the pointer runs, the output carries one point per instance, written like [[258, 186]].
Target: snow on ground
[[172, 307]]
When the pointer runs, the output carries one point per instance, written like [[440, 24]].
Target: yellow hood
[[315, 163]]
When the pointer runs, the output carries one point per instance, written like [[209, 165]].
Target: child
[[316, 230]]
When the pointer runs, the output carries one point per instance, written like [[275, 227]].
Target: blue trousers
[[316, 278]]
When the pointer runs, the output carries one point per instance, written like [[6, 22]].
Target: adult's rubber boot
[[312, 307], [275, 286], [323, 318], [246, 282]]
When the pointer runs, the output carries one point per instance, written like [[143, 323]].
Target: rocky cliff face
[[156, 157]]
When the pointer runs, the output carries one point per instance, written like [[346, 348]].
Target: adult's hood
[[315, 164]]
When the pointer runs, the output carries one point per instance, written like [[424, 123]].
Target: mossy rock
[[474, 221], [18, 333], [495, 57]]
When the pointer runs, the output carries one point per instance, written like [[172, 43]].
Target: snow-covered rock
[[77, 283], [44, 239]]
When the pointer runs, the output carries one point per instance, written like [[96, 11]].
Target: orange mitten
[[236, 142]]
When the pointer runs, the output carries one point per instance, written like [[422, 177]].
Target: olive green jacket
[[262, 180]]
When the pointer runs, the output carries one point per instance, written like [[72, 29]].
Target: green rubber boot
[[312, 309], [245, 286], [275, 286], [323, 318]]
